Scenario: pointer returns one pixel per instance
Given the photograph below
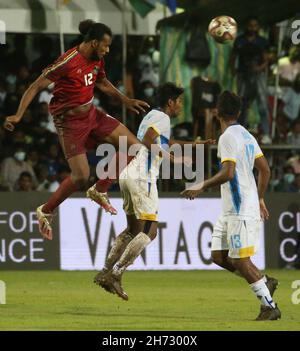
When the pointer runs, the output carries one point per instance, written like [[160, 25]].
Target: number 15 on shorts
[[235, 241]]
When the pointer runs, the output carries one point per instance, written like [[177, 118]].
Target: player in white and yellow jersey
[[139, 190], [236, 234]]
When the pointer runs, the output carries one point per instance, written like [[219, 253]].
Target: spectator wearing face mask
[[294, 187], [148, 92], [288, 178], [291, 99], [12, 167]]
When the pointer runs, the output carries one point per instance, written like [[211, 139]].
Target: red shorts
[[83, 132]]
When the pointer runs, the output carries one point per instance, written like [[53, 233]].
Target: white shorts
[[140, 198], [240, 237]]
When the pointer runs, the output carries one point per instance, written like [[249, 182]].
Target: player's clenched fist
[[10, 122]]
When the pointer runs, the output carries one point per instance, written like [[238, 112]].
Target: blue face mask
[[289, 178], [20, 156], [149, 92]]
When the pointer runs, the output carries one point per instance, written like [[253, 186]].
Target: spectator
[[295, 186], [52, 160], [18, 137], [46, 94], [288, 178], [148, 93], [251, 51], [24, 182], [205, 93], [33, 158], [293, 137], [289, 67], [291, 99], [45, 118], [42, 178], [62, 174], [294, 162], [183, 131], [23, 75], [12, 167], [146, 65]]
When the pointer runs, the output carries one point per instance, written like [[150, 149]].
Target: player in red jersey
[[79, 124]]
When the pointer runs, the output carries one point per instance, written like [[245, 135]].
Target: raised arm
[[149, 141], [108, 88], [225, 174], [194, 143], [39, 84], [227, 151]]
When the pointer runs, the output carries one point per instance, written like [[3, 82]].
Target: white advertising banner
[[183, 240]]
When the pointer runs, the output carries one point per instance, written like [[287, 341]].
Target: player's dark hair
[[92, 30], [167, 91], [229, 105]]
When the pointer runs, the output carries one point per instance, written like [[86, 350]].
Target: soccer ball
[[223, 29]]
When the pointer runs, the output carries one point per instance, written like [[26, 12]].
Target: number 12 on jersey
[[88, 79]]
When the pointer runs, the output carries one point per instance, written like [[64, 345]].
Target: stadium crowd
[[31, 157]]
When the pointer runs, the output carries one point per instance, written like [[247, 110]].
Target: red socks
[[66, 188]]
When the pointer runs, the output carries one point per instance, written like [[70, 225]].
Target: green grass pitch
[[158, 300]]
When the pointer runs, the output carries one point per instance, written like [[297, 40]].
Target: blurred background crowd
[[31, 158]]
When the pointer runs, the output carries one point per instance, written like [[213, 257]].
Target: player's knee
[[150, 228], [152, 235], [240, 263], [217, 258]]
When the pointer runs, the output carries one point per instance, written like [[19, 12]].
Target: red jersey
[[74, 77]]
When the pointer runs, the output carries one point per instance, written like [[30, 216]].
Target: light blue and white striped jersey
[[148, 165], [239, 196]]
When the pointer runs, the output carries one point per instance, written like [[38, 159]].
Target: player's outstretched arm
[[108, 88], [149, 141], [261, 164], [194, 143], [225, 174], [39, 84]]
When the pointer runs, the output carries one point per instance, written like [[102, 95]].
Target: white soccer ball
[[223, 29]]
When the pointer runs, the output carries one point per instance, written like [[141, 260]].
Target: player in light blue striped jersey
[[236, 234]]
